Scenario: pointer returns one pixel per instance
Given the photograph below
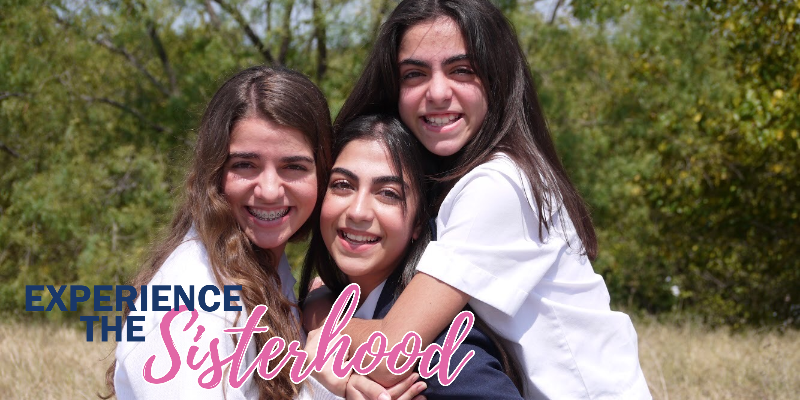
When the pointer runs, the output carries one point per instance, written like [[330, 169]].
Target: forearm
[[427, 306]]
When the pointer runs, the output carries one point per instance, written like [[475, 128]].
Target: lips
[[358, 239], [268, 215], [441, 120]]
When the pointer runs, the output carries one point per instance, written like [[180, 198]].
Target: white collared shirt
[[540, 294], [188, 265]]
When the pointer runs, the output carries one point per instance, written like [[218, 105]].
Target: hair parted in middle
[[284, 97], [514, 122], [406, 158], [406, 155]]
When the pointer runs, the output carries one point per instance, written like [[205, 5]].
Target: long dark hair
[[514, 123], [281, 96], [406, 156]]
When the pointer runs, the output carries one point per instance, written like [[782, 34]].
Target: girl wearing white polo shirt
[[513, 237]]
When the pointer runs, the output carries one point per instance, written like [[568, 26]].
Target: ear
[[417, 231]]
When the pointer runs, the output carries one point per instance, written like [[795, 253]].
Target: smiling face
[[441, 100], [362, 221], [270, 181]]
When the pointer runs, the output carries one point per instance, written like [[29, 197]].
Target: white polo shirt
[[189, 265], [540, 294]]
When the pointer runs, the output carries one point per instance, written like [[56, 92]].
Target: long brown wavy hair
[[281, 96], [514, 124]]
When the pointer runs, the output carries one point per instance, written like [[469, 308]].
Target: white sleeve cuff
[[448, 267], [314, 390]]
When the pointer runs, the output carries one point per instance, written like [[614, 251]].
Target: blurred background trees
[[678, 120]]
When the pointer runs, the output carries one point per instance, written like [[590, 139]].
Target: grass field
[[688, 362]]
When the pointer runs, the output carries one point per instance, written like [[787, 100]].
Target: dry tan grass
[[689, 362], [692, 362], [48, 361]]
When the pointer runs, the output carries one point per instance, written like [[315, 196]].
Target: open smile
[[268, 215], [358, 239], [441, 120]]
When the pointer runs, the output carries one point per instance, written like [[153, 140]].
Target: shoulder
[[482, 377], [489, 194], [497, 177], [188, 267]]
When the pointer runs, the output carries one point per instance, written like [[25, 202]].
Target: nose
[[269, 186], [360, 209], [439, 90]]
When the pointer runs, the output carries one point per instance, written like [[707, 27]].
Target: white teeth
[[268, 215], [441, 121], [360, 238]]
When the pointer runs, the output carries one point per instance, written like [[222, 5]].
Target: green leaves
[[678, 121]]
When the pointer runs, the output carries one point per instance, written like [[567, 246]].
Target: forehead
[[436, 39], [366, 157], [258, 134]]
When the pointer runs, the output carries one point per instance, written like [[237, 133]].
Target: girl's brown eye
[[340, 185], [411, 75], [391, 194]]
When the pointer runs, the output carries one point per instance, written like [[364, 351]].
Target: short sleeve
[[488, 243]]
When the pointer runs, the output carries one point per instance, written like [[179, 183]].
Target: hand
[[317, 306], [360, 387], [315, 284], [326, 377]]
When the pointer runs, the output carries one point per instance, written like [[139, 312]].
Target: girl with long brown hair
[[262, 146], [513, 237]]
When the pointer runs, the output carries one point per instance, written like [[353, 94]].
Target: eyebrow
[[378, 180], [389, 179], [255, 156], [245, 155], [345, 172], [294, 159], [448, 61]]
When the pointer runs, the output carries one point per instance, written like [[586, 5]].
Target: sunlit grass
[[693, 362], [49, 361]]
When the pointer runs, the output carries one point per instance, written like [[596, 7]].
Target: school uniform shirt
[[188, 265], [540, 294], [482, 376]]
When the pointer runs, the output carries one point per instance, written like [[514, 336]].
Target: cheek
[[329, 212], [401, 228], [406, 105], [307, 193], [230, 190]]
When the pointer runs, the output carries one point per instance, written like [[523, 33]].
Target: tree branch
[[9, 150], [105, 42], [555, 12], [320, 35], [286, 36], [135, 62], [5, 95], [212, 16], [128, 110], [162, 55], [247, 30]]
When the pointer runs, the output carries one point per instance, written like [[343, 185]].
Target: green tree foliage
[[691, 145], [678, 120]]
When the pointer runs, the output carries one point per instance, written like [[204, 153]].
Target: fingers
[[408, 389], [315, 283], [362, 388]]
